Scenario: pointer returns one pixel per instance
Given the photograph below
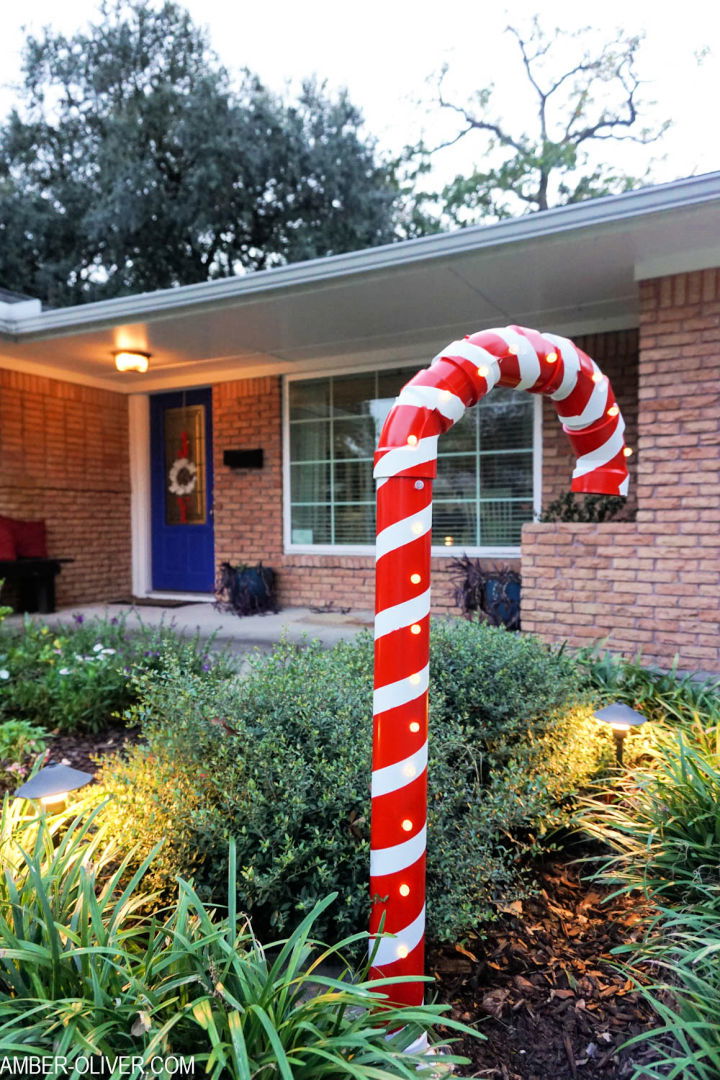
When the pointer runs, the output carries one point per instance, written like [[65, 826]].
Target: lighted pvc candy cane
[[405, 464]]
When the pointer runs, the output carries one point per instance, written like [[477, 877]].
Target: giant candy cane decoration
[[405, 464]]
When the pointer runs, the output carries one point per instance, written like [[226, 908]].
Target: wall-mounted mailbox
[[243, 459]]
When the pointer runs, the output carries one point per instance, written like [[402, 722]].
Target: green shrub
[[78, 676], [663, 823], [662, 696], [280, 762], [589, 508], [683, 951], [20, 740], [82, 972]]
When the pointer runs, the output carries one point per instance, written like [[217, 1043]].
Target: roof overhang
[[571, 270]]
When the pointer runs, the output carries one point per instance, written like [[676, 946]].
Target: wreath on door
[[182, 478]]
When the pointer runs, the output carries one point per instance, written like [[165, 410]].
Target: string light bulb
[[406, 825], [412, 440], [402, 951], [627, 451], [404, 890], [415, 579], [613, 410], [417, 527], [414, 727], [551, 357], [483, 371], [416, 628]]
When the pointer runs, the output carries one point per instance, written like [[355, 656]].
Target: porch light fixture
[[52, 784], [621, 719], [126, 360]]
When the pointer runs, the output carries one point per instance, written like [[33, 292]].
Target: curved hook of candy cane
[[435, 398], [405, 464]]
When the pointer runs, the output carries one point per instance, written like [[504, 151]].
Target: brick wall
[[64, 458], [248, 503], [636, 585], [654, 584]]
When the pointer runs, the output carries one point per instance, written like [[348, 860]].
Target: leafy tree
[[548, 161], [132, 163]]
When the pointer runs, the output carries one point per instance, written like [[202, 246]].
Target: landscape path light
[[621, 719], [405, 465], [52, 784]]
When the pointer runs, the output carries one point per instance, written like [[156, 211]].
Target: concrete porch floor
[[239, 634]]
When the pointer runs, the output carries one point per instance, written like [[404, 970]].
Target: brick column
[[653, 585]]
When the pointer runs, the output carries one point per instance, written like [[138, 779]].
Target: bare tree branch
[[598, 96]]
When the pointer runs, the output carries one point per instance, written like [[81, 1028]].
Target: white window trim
[[369, 549]]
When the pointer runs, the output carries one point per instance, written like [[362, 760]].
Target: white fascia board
[[165, 303], [681, 262]]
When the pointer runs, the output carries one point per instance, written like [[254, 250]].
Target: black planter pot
[[247, 590]]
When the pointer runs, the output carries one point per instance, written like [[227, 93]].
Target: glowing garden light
[[52, 784], [622, 719], [429, 405]]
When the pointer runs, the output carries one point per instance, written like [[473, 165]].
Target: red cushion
[[7, 542], [30, 538]]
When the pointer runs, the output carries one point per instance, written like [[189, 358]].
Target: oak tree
[[133, 161]]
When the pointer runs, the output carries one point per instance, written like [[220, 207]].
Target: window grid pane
[[484, 490]]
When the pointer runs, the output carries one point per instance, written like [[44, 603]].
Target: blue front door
[[183, 548]]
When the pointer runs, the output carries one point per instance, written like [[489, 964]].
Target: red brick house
[[301, 363]]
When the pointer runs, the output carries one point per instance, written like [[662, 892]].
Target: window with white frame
[[484, 490]]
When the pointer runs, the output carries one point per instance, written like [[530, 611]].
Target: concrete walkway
[[240, 634]]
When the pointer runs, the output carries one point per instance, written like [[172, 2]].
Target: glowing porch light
[[125, 360]]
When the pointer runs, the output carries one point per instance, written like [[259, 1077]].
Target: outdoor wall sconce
[[53, 783], [621, 719], [127, 360]]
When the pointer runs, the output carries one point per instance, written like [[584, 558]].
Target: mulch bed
[[541, 986], [79, 750]]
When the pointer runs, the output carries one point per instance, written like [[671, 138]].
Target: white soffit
[[573, 269]]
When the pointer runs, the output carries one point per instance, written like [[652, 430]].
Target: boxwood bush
[[280, 762]]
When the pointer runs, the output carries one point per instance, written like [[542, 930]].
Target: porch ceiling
[[569, 270]]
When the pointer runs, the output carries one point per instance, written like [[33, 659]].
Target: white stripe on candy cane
[[393, 777]]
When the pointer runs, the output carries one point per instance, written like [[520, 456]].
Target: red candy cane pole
[[405, 465]]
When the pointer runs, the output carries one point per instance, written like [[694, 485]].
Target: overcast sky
[[385, 50]]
